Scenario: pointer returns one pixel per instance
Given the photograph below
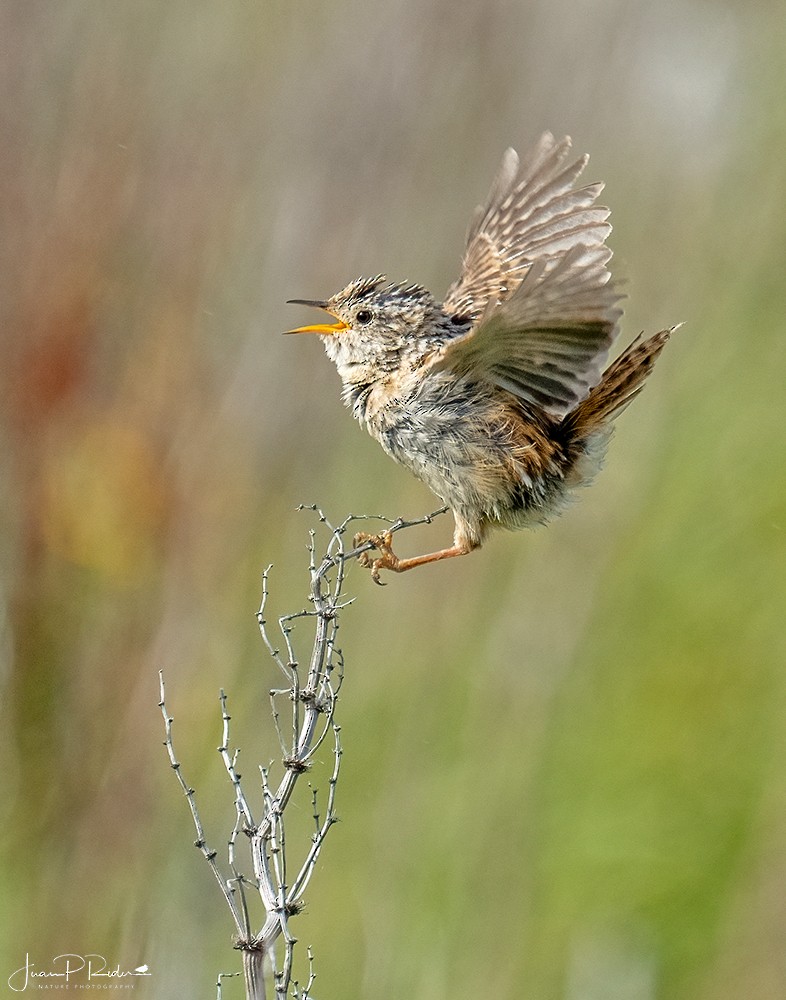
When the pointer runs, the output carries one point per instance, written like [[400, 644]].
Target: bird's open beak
[[322, 328]]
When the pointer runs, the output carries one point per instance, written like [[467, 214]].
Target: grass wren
[[498, 397]]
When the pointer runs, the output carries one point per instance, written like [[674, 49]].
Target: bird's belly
[[468, 452], [451, 463]]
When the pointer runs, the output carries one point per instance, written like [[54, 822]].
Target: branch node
[[296, 764], [248, 944]]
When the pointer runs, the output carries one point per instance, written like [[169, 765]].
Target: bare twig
[[219, 982], [312, 692], [200, 842]]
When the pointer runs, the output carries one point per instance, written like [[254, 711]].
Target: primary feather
[[534, 283]]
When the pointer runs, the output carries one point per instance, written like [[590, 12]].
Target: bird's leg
[[388, 559]]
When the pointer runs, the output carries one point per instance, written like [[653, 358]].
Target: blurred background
[[565, 766]]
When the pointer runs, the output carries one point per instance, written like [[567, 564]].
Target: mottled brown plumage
[[497, 397]]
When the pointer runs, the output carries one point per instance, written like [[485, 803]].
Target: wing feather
[[534, 283]]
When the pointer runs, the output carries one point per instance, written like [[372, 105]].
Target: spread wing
[[534, 283]]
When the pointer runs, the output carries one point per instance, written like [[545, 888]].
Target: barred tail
[[621, 382]]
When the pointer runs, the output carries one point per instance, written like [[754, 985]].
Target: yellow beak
[[321, 328]]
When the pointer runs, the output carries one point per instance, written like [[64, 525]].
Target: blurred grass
[[565, 755]]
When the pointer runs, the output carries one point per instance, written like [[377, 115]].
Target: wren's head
[[382, 328]]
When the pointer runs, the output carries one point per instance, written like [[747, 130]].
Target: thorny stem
[[313, 701]]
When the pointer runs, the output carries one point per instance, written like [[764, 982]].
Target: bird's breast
[[375, 398], [444, 430]]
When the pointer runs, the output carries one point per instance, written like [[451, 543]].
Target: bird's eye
[[364, 316]]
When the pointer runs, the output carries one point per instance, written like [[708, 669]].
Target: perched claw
[[387, 558]]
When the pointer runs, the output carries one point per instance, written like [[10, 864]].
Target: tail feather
[[622, 381]]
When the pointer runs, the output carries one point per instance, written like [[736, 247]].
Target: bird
[[498, 397]]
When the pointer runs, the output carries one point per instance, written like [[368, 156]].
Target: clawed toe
[[387, 559]]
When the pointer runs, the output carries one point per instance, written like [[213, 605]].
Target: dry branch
[[277, 881]]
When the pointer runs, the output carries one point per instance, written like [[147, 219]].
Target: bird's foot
[[387, 558]]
